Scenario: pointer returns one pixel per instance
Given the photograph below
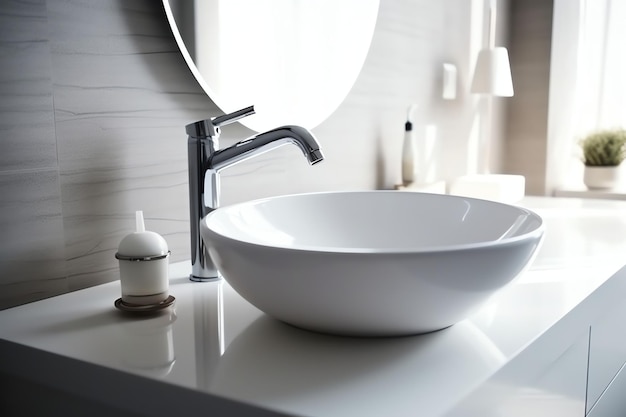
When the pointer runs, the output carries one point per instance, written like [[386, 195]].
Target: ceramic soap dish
[[144, 308]]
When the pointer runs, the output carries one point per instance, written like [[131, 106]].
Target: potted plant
[[603, 152]]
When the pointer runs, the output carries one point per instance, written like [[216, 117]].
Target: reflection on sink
[[370, 263], [271, 363]]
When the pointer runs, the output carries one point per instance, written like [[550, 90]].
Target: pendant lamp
[[492, 74]]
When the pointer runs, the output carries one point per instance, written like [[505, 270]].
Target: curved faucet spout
[[267, 141], [206, 160]]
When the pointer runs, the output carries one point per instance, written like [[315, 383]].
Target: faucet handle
[[232, 117], [210, 128]]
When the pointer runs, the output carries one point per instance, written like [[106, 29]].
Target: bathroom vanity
[[549, 344]]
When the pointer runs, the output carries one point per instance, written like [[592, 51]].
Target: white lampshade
[[492, 74]]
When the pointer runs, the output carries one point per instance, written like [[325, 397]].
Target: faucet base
[[204, 279]]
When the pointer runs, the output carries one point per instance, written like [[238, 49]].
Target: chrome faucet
[[206, 161]]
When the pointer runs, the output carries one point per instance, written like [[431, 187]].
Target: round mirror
[[294, 60]]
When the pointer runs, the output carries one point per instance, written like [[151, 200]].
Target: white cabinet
[[543, 383], [612, 402], [560, 390], [574, 369], [607, 355]]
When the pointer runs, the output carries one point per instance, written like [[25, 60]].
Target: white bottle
[[143, 265], [408, 151]]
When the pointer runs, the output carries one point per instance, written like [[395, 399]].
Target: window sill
[[615, 194]]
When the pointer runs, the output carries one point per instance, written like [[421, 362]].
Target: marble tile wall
[[92, 129], [95, 97], [120, 112], [32, 258]]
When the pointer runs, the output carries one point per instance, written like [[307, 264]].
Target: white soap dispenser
[[408, 150], [143, 265]]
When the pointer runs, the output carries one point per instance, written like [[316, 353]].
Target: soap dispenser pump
[[408, 150]]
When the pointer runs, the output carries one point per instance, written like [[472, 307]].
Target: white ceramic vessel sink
[[371, 263]]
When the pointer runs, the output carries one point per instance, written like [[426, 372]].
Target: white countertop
[[213, 341]]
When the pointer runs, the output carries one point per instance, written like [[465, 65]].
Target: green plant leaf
[[604, 148]]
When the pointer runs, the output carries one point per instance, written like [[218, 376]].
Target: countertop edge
[[94, 385], [547, 347]]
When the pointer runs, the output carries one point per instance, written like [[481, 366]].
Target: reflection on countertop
[[582, 231], [307, 373]]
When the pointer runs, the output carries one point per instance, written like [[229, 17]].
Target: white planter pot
[[601, 178]]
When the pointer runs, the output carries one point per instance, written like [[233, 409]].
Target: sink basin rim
[[510, 240]]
